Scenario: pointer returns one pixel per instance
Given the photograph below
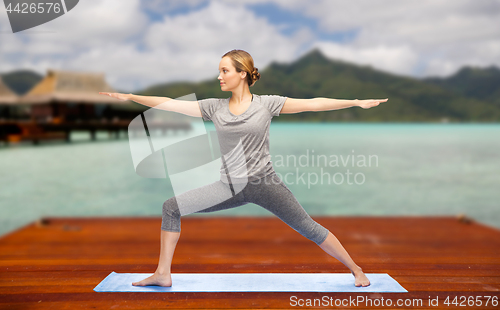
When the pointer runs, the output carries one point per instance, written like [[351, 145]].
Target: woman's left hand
[[369, 103]]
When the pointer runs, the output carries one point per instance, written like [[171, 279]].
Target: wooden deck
[[56, 263]]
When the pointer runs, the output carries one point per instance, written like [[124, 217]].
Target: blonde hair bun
[[242, 61], [255, 75]]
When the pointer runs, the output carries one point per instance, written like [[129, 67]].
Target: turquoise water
[[398, 169]]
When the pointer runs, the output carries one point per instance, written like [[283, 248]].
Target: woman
[[242, 123]]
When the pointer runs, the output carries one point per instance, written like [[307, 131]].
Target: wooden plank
[[57, 262]]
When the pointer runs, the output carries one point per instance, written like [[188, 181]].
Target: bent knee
[[170, 208], [171, 217]]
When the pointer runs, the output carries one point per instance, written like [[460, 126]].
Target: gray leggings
[[268, 192]]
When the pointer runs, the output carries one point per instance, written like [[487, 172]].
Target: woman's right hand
[[119, 96]]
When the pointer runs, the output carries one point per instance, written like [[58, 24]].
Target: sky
[[140, 43]]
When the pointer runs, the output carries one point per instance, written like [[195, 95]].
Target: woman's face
[[228, 77]]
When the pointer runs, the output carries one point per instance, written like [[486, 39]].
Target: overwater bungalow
[[64, 101], [65, 96]]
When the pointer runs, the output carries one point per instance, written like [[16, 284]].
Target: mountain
[[314, 75], [21, 81], [482, 84], [468, 96]]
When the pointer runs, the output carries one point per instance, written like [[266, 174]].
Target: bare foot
[[156, 279], [360, 278]]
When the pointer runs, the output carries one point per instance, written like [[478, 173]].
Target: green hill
[[21, 81], [471, 95], [477, 83], [314, 75]]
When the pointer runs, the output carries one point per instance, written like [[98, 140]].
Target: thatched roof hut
[[71, 87]]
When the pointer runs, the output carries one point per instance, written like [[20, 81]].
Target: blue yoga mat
[[252, 282]]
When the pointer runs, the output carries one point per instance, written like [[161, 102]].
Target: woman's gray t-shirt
[[244, 138]]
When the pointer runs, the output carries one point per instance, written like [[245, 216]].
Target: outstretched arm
[[190, 108], [293, 105]]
